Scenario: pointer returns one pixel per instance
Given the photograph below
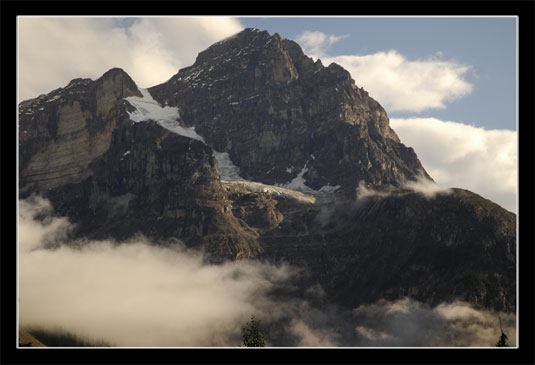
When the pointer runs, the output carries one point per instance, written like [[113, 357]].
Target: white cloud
[[463, 156], [426, 187], [317, 43], [135, 293], [53, 51], [406, 322], [400, 84]]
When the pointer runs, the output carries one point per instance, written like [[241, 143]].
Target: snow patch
[[298, 183], [329, 189], [227, 170], [274, 190], [126, 153], [149, 109]]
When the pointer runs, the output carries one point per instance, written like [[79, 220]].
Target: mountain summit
[[257, 151], [281, 116]]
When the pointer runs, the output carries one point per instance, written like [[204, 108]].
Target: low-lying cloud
[[463, 156], [396, 82], [138, 294], [408, 323], [135, 293], [426, 187]]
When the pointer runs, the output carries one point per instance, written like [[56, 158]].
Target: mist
[[426, 187], [137, 293]]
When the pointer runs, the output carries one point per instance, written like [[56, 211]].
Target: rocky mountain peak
[[279, 114], [62, 132]]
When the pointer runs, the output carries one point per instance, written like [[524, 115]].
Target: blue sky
[[487, 45], [448, 84]]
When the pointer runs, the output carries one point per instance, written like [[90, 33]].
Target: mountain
[[258, 152], [278, 114]]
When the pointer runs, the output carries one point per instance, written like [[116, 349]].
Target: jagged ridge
[[273, 109]]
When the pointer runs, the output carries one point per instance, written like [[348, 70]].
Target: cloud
[[400, 84], [310, 337], [317, 43], [408, 323], [136, 293], [396, 82], [55, 50], [426, 187], [458, 155], [363, 191], [49, 230]]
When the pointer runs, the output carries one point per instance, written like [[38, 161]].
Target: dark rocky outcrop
[[276, 111], [451, 246]]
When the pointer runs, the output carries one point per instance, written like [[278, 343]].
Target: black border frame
[[525, 10]]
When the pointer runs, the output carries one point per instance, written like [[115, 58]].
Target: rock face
[[277, 113], [115, 177], [63, 132], [118, 161], [451, 246]]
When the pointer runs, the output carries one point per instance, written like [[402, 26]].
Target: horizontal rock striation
[[61, 133]]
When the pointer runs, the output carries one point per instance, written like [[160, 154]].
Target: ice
[[274, 190], [149, 109], [230, 175], [329, 189], [298, 183], [227, 170]]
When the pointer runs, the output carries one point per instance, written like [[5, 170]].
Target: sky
[[448, 84]]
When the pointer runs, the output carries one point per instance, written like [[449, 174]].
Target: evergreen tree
[[502, 342], [253, 334]]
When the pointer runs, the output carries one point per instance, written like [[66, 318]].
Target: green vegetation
[[253, 334], [62, 338]]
